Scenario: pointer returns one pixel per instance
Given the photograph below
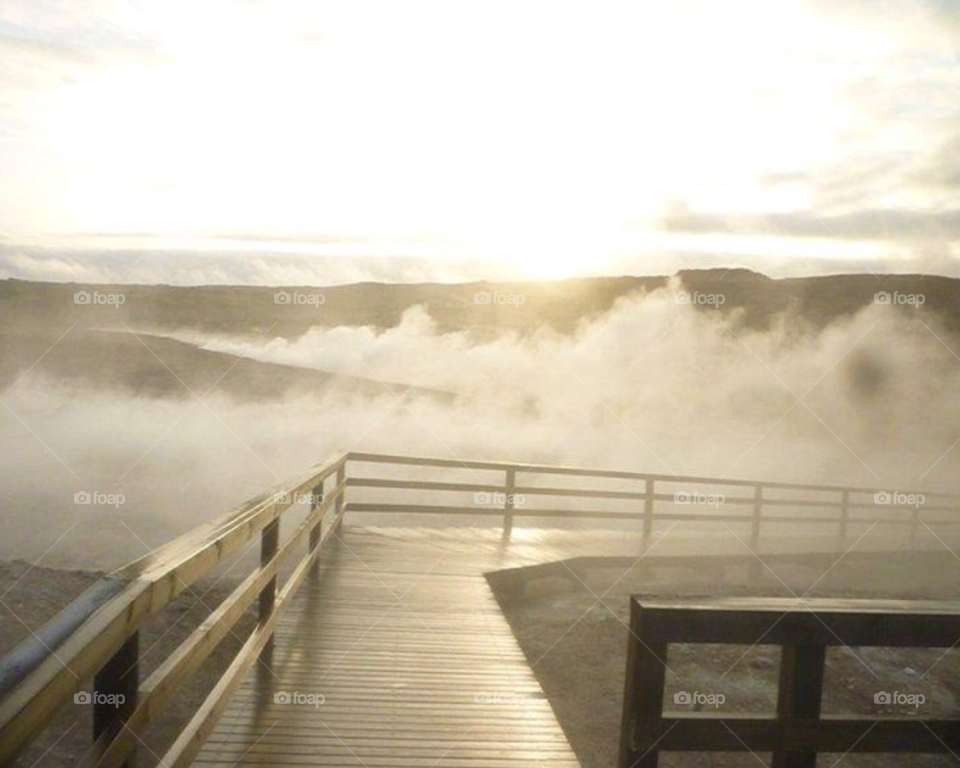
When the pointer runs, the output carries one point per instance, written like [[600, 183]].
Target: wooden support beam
[[643, 692], [757, 516], [269, 543], [648, 498], [509, 489], [115, 692], [844, 515], [799, 695]]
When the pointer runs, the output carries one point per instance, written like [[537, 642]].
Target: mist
[[650, 386]]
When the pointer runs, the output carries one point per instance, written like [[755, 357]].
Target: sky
[[285, 141]]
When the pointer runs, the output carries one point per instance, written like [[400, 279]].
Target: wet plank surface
[[417, 666]]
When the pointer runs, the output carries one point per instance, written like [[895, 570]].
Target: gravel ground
[[577, 646]]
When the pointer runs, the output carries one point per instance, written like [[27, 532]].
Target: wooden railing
[[758, 504], [797, 732], [97, 634]]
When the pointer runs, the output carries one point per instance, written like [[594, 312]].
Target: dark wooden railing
[[797, 732], [96, 636]]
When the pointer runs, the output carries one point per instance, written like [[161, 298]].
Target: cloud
[[185, 267], [868, 224]]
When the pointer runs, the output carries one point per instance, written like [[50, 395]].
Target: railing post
[[844, 515], [799, 695], [269, 542], [643, 690], [338, 505], [757, 515], [120, 676], [648, 511], [756, 571], [511, 484], [316, 530]]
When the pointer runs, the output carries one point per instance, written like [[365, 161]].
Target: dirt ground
[[577, 645]]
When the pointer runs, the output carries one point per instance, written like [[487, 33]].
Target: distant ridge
[[754, 299]]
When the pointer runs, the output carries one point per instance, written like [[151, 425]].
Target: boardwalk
[[400, 634]]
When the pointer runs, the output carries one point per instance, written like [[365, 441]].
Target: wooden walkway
[[400, 635]]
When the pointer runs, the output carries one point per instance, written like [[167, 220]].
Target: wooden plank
[[893, 623]]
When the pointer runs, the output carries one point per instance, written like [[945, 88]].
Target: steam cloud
[[651, 386]]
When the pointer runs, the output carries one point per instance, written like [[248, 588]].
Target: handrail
[[558, 469], [96, 635], [843, 501]]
